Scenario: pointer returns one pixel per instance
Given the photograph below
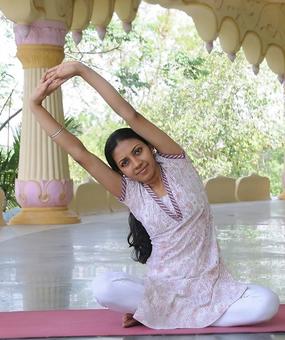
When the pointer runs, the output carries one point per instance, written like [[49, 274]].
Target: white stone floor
[[52, 267]]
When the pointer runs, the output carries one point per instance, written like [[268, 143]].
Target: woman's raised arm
[[71, 144], [159, 139]]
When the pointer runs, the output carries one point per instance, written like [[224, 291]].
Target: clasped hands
[[53, 78]]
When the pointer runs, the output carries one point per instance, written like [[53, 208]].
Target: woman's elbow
[[79, 153], [132, 116]]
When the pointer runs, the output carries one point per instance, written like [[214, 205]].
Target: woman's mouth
[[142, 172]]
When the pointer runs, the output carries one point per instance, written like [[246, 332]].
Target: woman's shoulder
[[179, 164], [129, 188], [166, 156], [178, 160]]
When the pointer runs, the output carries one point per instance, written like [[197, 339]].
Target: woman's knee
[[272, 302], [269, 305], [103, 286], [118, 291]]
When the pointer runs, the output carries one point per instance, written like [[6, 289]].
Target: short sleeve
[[168, 161], [130, 193], [182, 155]]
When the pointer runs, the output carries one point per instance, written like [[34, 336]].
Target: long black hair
[[138, 236]]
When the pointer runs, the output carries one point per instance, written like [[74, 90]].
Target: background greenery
[[228, 120]]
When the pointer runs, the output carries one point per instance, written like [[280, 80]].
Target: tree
[[227, 119]]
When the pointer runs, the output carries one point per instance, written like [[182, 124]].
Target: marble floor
[[52, 267]]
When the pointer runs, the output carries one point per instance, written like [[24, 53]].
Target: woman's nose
[[136, 162]]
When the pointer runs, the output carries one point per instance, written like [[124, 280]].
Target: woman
[[187, 284]]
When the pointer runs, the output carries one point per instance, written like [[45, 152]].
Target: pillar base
[[55, 215], [282, 196]]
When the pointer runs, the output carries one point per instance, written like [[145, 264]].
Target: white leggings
[[122, 292]]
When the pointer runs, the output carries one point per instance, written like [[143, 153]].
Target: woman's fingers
[[51, 76], [43, 79], [46, 87], [54, 84], [48, 82], [44, 84], [47, 75], [52, 73], [52, 79], [61, 71], [51, 70]]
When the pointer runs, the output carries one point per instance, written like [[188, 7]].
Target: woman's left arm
[[156, 137], [143, 127]]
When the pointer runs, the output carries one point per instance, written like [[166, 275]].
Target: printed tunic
[[186, 284]]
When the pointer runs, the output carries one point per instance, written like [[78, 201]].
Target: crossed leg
[[122, 292]]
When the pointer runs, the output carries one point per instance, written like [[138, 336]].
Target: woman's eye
[[124, 163], [138, 151]]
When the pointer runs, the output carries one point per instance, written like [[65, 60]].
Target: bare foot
[[129, 321]]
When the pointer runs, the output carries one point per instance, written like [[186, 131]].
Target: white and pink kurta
[[187, 284]]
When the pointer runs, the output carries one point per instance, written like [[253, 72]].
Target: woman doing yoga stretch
[[186, 284]]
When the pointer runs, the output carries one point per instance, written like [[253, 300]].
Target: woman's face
[[135, 160]]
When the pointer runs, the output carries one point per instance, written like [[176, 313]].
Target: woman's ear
[[152, 149]]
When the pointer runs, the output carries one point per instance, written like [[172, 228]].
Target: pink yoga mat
[[102, 322]]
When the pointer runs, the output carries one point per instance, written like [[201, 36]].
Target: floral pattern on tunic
[[187, 284]]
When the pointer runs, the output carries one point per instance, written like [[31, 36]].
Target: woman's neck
[[156, 183]]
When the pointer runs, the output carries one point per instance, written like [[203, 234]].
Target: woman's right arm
[[110, 179]]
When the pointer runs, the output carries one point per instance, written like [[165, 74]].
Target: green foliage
[[129, 81], [9, 171], [222, 123], [180, 65], [228, 120], [73, 125]]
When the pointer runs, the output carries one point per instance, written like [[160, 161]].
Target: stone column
[[43, 188]]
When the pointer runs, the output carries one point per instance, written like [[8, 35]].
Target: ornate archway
[[44, 187]]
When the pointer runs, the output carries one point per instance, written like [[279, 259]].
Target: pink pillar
[[43, 188]]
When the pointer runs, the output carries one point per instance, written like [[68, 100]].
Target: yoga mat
[[102, 322]]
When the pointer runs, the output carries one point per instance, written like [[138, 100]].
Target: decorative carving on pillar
[[44, 201], [47, 32], [40, 56], [51, 193], [41, 45]]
